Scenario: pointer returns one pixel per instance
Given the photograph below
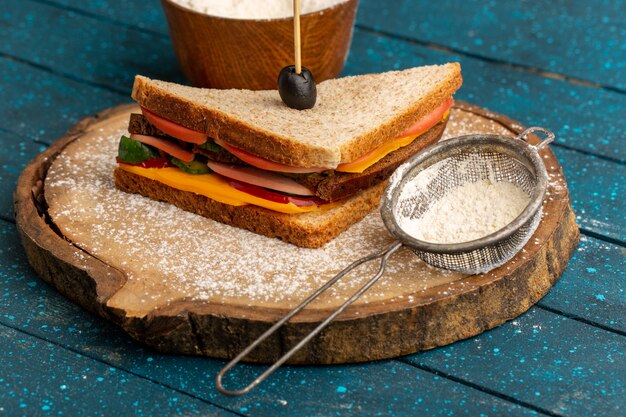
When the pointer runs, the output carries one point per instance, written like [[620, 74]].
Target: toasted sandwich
[[304, 176]]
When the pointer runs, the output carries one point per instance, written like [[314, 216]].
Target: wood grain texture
[[593, 287], [429, 318], [59, 266], [44, 35], [234, 53], [40, 378], [41, 105], [563, 38], [146, 15], [580, 373], [15, 153], [384, 388], [596, 188]]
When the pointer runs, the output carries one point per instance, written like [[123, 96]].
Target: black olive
[[298, 91]]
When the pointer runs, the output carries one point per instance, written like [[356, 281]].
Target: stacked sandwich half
[[245, 159]]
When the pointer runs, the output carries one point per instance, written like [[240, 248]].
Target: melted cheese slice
[[211, 186], [379, 153], [376, 155]]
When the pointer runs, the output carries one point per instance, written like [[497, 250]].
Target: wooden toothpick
[[296, 34]]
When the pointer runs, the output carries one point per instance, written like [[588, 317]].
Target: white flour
[[468, 212], [255, 9]]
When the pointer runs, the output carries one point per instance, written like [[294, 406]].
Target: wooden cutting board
[[184, 284]]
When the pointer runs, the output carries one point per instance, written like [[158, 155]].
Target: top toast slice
[[352, 116]]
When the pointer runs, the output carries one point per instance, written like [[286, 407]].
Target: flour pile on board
[[468, 212], [255, 9]]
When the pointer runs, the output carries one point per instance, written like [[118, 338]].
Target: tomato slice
[[263, 163], [367, 160], [174, 129], [370, 158], [429, 120], [260, 177], [160, 162], [166, 146], [274, 196]]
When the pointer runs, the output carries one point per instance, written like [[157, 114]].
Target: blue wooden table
[[558, 64]]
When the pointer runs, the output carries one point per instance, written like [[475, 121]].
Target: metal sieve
[[413, 189], [435, 172]]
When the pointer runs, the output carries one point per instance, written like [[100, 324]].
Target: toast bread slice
[[352, 116], [309, 230]]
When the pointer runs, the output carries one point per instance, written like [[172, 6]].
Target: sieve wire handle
[[384, 255], [548, 139]]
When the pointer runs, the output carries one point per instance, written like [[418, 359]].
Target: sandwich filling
[[164, 151]]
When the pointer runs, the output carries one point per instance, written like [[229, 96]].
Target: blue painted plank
[[87, 332], [85, 48], [596, 188], [584, 118], [146, 14], [582, 39], [15, 153], [41, 379], [42, 105], [385, 388], [593, 287], [560, 365]]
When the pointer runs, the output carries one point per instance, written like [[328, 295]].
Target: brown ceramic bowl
[[222, 52]]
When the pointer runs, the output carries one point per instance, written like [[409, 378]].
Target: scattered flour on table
[[467, 212], [463, 125], [255, 9]]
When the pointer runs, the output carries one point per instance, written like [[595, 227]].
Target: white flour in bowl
[[255, 9], [468, 212]]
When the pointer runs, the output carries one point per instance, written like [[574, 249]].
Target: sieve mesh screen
[[426, 182]]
